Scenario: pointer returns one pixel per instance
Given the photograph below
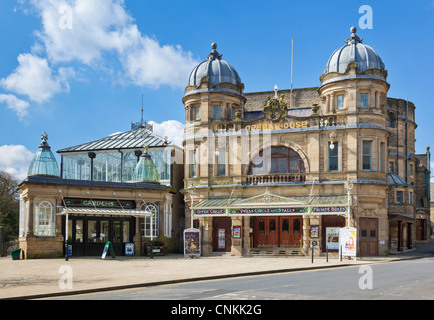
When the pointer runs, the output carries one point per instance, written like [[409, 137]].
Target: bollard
[[312, 253]]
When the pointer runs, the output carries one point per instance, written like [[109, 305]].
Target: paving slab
[[25, 279]]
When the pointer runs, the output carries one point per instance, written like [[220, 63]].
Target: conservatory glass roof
[[134, 139]]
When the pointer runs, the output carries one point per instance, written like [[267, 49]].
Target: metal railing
[[276, 178]]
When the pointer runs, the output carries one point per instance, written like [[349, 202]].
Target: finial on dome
[[214, 54], [44, 138], [353, 39]]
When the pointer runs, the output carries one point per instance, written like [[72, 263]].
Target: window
[[145, 223], [367, 156], [221, 163], [382, 156], [334, 157], [411, 169], [196, 113], [411, 197], [277, 160], [391, 167], [233, 113], [341, 101], [364, 100], [44, 219], [391, 120], [399, 197], [192, 163], [217, 112]]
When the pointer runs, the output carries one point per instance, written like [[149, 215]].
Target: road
[[403, 280]]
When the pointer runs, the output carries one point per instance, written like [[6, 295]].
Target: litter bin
[[16, 254]]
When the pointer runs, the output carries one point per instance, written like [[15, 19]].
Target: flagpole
[[292, 71]]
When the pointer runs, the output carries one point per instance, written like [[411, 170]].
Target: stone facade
[[347, 129]]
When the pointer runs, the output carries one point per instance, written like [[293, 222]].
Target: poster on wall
[[314, 231], [221, 239], [237, 232], [192, 243], [348, 241], [332, 238]]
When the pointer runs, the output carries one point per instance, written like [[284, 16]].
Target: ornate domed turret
[[217, 71], [145, 170], [44, 163], [354, 51]]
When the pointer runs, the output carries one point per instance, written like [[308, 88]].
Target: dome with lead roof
[[216, 69], [354, 51]]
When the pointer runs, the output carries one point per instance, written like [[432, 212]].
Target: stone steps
[[275, 251]]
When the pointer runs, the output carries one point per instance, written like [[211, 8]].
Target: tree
[[9, 206]]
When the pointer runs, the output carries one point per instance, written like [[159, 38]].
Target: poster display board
[[192, 243], [332, 238], [129, 249], [348, 241]]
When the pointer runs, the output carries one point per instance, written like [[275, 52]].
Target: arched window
[[145, 223], [44, 224], [276, 160], [391, 120]]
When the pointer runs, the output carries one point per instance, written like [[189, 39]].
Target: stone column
[[30, 218], [137, 239], [246, 236]]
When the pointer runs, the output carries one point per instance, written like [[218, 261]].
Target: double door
[[368, 237], [277, 231], [88, 235]]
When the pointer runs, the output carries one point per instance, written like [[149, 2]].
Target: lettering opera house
[[270, 172]]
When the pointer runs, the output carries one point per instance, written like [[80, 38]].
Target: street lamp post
[[349, 186]]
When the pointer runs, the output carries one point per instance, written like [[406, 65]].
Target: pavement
[[45, 278]]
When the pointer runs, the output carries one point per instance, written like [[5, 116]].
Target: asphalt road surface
[[403, 280]]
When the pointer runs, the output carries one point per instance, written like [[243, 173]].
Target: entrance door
[[420, 229], [290, 231], [76, 229], [368, 237], [221, 234], [266, 231]]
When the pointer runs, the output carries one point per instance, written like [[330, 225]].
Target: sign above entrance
[[268, 211], [277, 126], [71, 202]]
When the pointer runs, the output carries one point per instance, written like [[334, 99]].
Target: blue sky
[[84, 81]]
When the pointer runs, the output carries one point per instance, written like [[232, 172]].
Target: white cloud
[[101, 28], [35, 79], [18, 105], [172, 129], [15, 159], [153, 65]]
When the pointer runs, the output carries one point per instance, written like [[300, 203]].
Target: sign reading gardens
[[114, 204], [272, 211]]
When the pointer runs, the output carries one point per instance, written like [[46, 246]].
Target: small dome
[[44, 163], [216, 69], [354, 51], [145, 170]]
